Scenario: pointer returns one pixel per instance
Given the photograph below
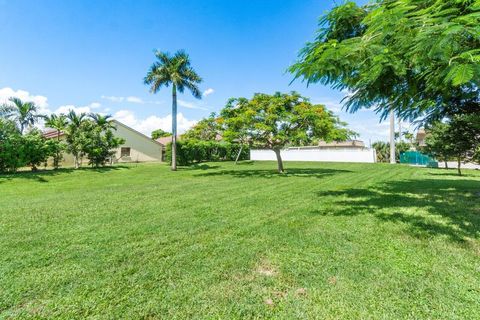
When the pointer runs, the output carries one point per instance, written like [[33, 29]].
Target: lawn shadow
[[428, 207], [199, 166], [291, 172], [41, 175]]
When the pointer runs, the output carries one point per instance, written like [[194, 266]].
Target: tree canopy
[[159, 133], [419, 58], [280, 120]]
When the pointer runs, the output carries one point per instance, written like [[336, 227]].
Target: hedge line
[[192, 151]]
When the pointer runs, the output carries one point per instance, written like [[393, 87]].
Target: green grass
[[217, 240]]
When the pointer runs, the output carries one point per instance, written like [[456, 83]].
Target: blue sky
[[93, 55]]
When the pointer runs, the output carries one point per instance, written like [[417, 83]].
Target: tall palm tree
[[23, 113], [175, 71]]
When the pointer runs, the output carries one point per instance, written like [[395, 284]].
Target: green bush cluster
[[30, 149], [191, 151]]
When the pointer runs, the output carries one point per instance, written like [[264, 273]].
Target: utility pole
[[392, 137]]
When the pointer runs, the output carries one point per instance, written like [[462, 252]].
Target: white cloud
[[83, 109], [147, 125], [40, 101], [134, 99], [131, 99], [190, 105], [208, 92], [113, 98]]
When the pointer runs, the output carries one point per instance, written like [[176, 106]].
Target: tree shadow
[[199, 166], [428, 207], [292, 172], [41, 175]]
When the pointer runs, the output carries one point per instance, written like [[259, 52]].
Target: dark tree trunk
[[279, 160], [446, 164], [174, 128], [459, 164]]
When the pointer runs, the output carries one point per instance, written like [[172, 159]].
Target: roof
[[52, 133], [165, 140]]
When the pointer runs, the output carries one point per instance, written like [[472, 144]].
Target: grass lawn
[[223, 241]]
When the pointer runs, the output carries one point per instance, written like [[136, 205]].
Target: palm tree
[[175, 71], [23, 113], [57, 122], [103, 122], [75, 122]]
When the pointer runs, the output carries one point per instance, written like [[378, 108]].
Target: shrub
[[11, 156], [191, 151]]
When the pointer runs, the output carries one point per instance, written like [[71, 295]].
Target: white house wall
[[326, 155]]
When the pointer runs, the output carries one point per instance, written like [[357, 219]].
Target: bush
[[191, 151], [11, 156]]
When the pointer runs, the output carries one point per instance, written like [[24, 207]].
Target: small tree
[[35, 149], [280, 120], [159, 133], [207, 129], [74, 136], [10, 146], [459, 138], [98, 142], [59, 123], [436, 143]]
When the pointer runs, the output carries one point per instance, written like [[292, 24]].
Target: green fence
[[417, 158]]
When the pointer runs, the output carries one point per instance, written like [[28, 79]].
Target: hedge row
[[192, 151]]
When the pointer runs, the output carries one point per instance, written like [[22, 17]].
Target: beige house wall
[[142, 148]]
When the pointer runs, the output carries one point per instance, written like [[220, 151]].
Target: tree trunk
[[279, 160], [459, 164], [239, 152], [174, 128], [392, 138], [75, 161], [446, 164]]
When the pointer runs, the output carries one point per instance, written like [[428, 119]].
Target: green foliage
[[36, 149], [382, 150], [457, 138], [159, 133], [417, 57], [280, 120], [17, 150], [92, 138], [11, 157], [191, 151], [23, 113], [207, 129]]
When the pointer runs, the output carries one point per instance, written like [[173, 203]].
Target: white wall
[[327, 155]]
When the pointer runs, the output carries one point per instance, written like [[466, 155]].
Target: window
[[125, 152]]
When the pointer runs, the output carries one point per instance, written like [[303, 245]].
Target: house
[[345, 151], [421, 135], [136, 148]]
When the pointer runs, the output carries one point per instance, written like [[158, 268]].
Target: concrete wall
[[326, 155]]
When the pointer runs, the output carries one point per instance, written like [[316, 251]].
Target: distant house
[[345, 151], [137, 147], [421, 135]]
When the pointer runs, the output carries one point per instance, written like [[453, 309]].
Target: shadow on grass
[[42, 174], [428, 207], [292, 172]]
